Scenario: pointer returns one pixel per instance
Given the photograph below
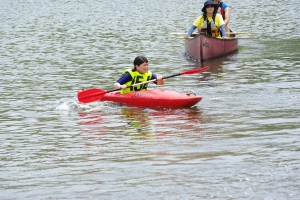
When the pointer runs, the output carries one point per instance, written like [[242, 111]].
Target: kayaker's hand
[[160, 80], [118, 85], [123, 86]]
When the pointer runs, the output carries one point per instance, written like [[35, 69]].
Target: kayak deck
[[153, 98]]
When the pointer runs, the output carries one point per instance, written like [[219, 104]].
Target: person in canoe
[[139, 73], [209, 22], [224, 10]]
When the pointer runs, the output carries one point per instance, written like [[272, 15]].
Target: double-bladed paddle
[[95, 94]]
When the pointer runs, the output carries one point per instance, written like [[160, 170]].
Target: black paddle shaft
[[170, 76]]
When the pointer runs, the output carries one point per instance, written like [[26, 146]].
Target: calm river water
[[240, 142]]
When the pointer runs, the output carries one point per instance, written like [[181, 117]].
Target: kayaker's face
[[143, 68], [210, 9]]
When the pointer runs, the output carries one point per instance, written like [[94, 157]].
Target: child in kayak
[[139, 73]]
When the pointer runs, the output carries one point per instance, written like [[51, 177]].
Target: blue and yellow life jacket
[[136, 78]]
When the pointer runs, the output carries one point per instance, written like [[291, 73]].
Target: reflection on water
[[140, 122]]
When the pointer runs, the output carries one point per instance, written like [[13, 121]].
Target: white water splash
[[70, 106]]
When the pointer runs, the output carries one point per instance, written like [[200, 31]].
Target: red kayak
[[153, 98], [145, 98]]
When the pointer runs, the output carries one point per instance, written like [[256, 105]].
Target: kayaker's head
[[141, 64], [208, 5]]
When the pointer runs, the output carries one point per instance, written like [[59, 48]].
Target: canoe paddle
[[96, 94]]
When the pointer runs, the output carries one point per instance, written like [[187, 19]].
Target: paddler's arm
[[190, 32], [122, 81], [227, 15], [159, 79], [223, 30]]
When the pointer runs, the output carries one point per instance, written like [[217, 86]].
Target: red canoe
[[204, 47], [153, 98]]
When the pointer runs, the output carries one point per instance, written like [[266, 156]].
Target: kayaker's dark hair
[[139, 60]]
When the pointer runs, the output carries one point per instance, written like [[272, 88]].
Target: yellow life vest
[[211, 26], [136, 78]]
